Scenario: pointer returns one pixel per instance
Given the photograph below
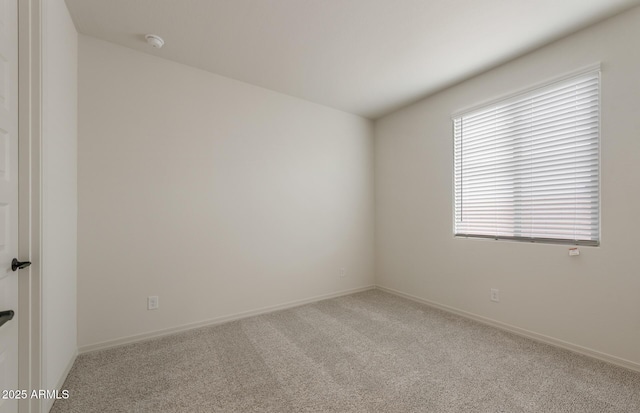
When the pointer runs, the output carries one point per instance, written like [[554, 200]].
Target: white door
[[8, 201]]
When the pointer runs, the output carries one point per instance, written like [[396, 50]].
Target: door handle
[[6, 316], [18, 265]]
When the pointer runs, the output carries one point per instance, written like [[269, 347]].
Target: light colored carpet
[[367, 352]]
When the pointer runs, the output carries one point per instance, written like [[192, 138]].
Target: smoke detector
[[155, 41]]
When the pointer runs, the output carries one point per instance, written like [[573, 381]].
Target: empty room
[[319, 206]]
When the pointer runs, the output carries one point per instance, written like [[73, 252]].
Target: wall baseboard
[[214, 321], [585, 351]]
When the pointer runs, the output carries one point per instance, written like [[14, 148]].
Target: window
[[527, 167]]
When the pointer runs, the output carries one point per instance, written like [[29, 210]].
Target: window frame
[[513, 96]]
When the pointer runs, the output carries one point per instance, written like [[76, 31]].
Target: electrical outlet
[[495, 295], [343, 272], [153, 302]]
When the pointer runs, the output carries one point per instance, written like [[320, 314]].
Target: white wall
[[591, 300], [218, 196], [59, 192]]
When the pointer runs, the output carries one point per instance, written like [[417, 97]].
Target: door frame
[[30, 332]]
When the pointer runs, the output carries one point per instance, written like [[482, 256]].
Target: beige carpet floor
[[367, 352]]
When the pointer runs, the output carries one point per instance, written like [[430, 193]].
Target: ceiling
[[367, 57]]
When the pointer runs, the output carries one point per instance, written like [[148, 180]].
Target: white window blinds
[[526, 168]]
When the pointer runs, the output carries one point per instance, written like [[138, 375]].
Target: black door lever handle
[[6, 316], [18, 265]]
